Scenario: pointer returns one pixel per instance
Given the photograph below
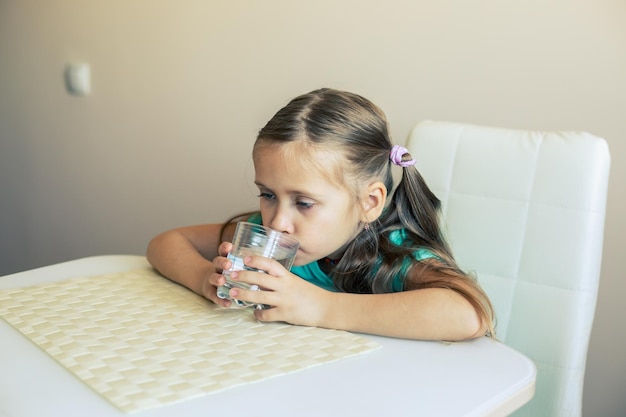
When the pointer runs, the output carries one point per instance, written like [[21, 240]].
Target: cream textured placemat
[[142, 341]]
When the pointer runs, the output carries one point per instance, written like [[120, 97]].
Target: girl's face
[[297, 199]]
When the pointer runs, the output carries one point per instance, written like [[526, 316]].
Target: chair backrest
[[525, 212]]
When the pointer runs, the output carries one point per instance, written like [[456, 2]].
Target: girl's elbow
[[474, 326]]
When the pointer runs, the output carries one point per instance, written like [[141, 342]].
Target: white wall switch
[[78, 79]]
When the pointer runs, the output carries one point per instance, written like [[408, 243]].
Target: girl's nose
[[282, 221]]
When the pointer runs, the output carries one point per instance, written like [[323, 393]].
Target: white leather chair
[[525, 212]]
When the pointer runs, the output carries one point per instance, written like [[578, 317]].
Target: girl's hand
[[216, 279], [293, 299]]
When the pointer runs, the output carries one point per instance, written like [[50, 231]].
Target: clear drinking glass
[[255, 240]]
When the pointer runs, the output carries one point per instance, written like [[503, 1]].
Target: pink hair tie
[[397, 152]]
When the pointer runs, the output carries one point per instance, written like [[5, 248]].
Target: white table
[[404, 377]]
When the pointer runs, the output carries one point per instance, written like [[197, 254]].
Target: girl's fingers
[[209, 290], [271, 266], [266, 287], [268, 314], [222, 264], [225, 248], [258, 279], [253, 296]]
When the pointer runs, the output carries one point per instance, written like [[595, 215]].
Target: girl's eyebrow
[[291, 192], [261, 185]]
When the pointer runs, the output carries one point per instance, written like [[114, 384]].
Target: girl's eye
[[301, 204], [304, 204]]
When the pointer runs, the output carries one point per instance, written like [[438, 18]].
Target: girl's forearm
[[176, 258], [426, 314]]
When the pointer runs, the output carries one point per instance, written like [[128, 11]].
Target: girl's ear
[[374, 201]]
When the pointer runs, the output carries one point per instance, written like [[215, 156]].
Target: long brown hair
[[357, 130]]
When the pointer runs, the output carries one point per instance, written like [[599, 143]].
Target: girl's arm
[[185, 255], [426, 314], [434, 306]]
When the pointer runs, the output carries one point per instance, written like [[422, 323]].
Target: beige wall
[[180, 88]]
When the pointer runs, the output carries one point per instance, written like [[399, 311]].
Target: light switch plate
[[78, 79]]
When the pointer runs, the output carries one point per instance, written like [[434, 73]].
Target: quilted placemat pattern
[[142, 341]]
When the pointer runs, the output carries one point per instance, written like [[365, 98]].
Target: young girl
[[369, 261]]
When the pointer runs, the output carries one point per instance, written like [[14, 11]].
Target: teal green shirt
[[313, 273]]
